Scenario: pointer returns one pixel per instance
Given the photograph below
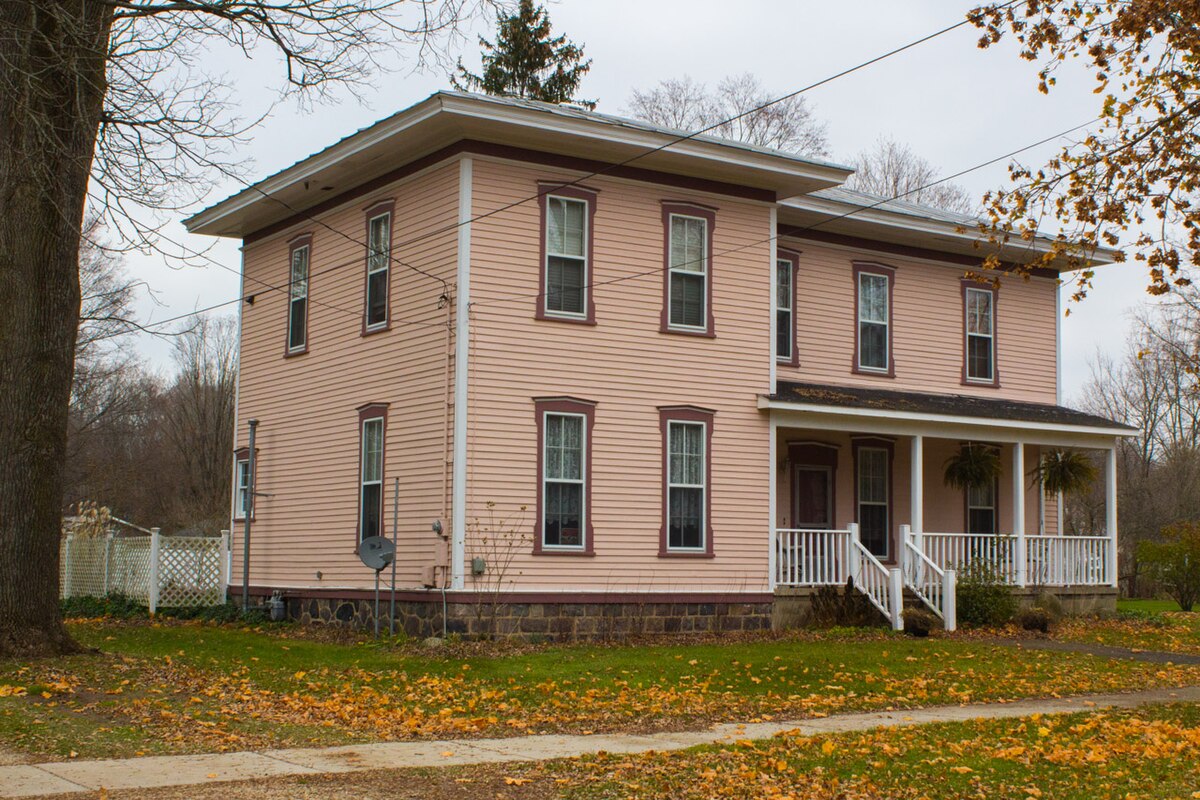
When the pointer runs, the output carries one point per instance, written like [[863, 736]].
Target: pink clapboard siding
[[308, 440], [927, 322], [629, 369]]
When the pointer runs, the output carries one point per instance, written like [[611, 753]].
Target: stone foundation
[[596, 619]]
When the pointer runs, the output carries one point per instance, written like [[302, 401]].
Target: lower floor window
[[370, 521], [686, 468], [563, 463], [243, 488], [873, 512], [981, 508]]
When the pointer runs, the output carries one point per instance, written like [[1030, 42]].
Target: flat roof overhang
[[446, 117]]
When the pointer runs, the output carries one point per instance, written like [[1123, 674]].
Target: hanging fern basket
[[1066, 471], [972, 466]]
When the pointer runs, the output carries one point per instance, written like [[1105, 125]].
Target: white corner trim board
[[462, 341]]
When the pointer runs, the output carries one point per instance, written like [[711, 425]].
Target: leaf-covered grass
[[1138, 628], [1147, 607], [193, 687], [1147, 752]]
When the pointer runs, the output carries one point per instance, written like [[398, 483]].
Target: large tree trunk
[[52, 83]]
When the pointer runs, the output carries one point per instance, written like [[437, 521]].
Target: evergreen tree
[[526, 62]]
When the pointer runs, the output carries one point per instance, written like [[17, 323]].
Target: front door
[[812, 493]]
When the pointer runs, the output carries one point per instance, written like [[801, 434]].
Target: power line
[[714, 126], [797, 230]]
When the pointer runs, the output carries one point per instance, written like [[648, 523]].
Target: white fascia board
[[608, 133], [938, 425], [290, 176]]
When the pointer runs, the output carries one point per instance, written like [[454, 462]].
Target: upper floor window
[[785, 307], [379, 259], [297, 334], [566, 273], [688, 302], [687, 467], [564, 481], [980, 309], [873, 298], [372, 424]]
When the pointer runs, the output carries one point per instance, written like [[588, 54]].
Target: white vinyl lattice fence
[[152, 569]]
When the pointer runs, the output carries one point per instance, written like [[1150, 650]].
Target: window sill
[[294, 353], [875, 373], [686, 554], [698, 332], [387, 326], [551, 317], [992, 384], [563, 551]]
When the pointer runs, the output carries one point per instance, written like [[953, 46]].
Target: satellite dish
[[376, 552]]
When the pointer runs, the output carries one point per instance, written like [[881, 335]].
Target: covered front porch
[[858, 492]]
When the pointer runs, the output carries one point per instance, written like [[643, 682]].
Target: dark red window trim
[[587, 410], [793, 256], [546, 190], [367, 412], [709, 214], [239, 455], [965, 284], [685, 413], [880, 443], [294, 244], [874, 268], [810, 453], [376, 209]]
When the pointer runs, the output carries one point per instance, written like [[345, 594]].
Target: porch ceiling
[[871, 410]]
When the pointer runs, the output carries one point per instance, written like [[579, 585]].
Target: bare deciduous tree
[[893, 170], [687, 105], [119, 98]]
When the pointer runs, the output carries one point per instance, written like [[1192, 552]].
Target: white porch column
[[1110, 513], [917, 485], [772, 515], [1018, 471]]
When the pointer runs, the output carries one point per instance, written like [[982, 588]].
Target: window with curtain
[[379, 257], [686, 477], [981, 350], [873, 321], [873, 499], [566, 256], [981, 508], [688, 272], [563, 465], [784, 297], [298, 300], [371, 488]]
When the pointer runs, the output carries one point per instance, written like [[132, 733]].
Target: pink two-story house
[[610, 381]]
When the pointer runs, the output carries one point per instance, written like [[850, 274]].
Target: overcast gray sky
[[953, 103]]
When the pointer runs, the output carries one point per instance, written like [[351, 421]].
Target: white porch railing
[[810, 557], [1068, 561], [936, 587], [805, 557], [1049, 560]]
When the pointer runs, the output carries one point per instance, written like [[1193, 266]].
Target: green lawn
[[1147, 606], [1148, 752], [192, 687]]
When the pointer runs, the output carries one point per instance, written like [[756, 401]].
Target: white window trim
[[887, 502], [387, 261], [886, 323], [583, 452], [991, 337], [703, 326], [293, 299], [702, 486], [240, 489], [587, 267], [362, 469], [791, 309]]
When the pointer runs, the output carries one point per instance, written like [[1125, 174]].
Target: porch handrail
[[936, 587], [883, 587], [809, 556], [1050, 560], [949, 550]]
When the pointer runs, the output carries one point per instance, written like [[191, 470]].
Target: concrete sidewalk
[[64, 777]]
